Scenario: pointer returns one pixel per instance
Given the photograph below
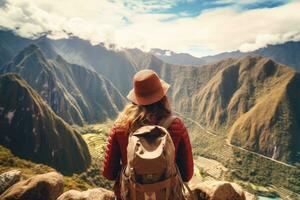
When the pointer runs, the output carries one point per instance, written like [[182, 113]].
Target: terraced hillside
[[95, 136]]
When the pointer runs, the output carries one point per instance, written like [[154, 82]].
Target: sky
[[198, 27]]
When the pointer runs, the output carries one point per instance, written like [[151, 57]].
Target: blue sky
[[195, 7], [197, 27]]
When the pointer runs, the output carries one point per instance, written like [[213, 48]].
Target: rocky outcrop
[[92, 194], [31, 130], [50, 186], [212, 190], [9, 178], [219, 190], [40, 187]]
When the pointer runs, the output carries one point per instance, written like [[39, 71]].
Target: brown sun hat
[[148, 88]]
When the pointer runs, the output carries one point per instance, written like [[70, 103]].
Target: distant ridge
[[286, 53], [177, 58], [112, 64]]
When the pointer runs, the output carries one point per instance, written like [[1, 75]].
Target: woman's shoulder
[[177, 124], [118, 129]]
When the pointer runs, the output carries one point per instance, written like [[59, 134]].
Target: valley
[[213, 161], [226, 154], [207, 144]]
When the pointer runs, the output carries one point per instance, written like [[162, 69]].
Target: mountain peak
[[30, 51]]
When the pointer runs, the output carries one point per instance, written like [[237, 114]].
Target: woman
[[149, 106]]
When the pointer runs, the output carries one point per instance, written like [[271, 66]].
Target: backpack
[[151, 172]]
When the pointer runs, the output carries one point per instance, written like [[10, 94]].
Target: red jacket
[[116, 151]]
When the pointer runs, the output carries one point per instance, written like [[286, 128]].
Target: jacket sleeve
[[184, 156], [111, 164]]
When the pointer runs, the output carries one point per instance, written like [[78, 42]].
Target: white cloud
[[264, 39], [131, 25]]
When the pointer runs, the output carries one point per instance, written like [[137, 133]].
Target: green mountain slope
[[253, 100], [31, 130]]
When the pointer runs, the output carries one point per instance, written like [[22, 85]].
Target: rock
[[92, 194], [40, 187], [218, 190], [250, 196], [9, 178]]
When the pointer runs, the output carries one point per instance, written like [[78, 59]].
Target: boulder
[[92, 194], [250, 196], [218, 190], [40, 187], [9, 178]]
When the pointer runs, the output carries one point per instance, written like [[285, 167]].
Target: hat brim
[[150, 99]]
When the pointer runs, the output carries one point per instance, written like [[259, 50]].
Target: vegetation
[[10, 162], [258, 189], [95, 136], [257, 174], [261, 171], [33, 131]]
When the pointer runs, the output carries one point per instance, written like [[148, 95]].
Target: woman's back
[[117, 149]]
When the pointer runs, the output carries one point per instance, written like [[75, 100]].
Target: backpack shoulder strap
[[167, 122]]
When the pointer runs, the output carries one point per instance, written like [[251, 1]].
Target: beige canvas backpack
[[151, 172]]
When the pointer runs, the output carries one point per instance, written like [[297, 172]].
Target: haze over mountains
[[177, 58], [286, 53], [75, 93], [251, 99]]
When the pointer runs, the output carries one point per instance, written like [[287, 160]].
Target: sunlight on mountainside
[[232, 73]]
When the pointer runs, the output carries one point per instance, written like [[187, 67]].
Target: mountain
[[220, 96], [176, 58], [10, 44], [75, 93], [247, 99], [31, 130], [254, 100], [77, 51], [222, 56], [286, 53], [113, 64]]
